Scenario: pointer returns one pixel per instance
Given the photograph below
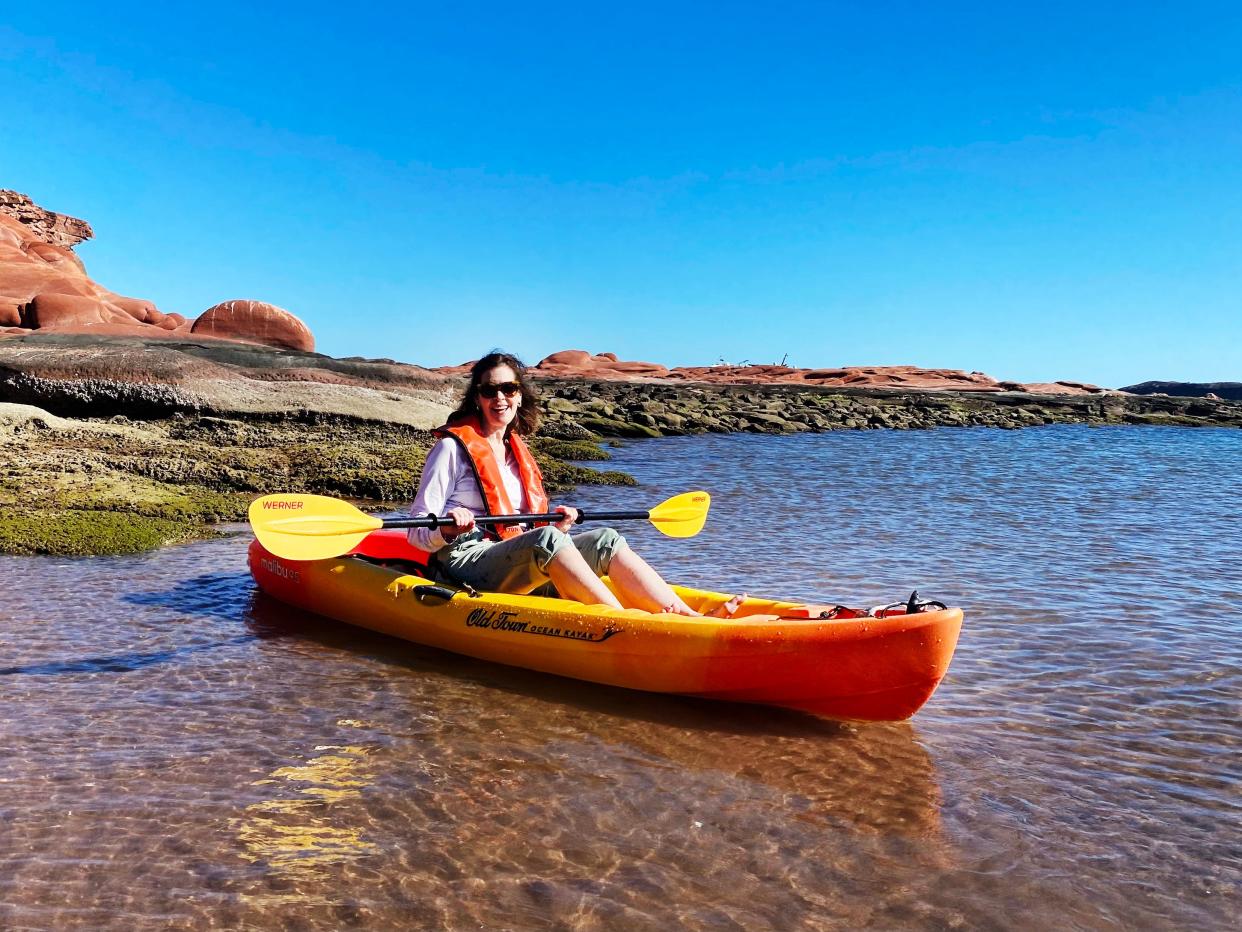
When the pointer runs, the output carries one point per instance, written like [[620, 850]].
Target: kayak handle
[[440, 592]]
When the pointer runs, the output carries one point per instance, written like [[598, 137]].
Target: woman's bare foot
[[728, 609], [725, 610], [678, 608]]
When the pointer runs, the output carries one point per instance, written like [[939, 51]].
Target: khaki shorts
[[520, 564]]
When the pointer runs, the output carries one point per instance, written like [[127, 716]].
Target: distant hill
[[1231, 391]]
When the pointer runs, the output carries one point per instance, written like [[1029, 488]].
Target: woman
[[481, 465]]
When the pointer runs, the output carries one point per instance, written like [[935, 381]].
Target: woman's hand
[[567, 522], [463, 521]]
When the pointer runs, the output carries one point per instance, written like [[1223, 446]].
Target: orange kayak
[[772, 652]]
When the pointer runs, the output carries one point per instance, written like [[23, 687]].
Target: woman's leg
[[636, 581], [605, 553], [640, 586], [574, 579], [522, 563]]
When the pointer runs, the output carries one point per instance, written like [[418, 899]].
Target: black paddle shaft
[[433, 521]]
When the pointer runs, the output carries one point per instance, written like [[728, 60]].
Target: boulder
[[581, 364], [570, 358], [254, 322]]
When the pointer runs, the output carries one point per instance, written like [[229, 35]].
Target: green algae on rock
[[113, 486], [570, 449], [563, 477], [91, 533]]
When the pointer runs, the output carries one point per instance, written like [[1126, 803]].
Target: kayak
[[814, 658]]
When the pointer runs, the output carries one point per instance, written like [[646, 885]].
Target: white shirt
[[448, 482]]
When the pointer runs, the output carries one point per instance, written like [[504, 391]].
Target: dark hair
[[528, 413]]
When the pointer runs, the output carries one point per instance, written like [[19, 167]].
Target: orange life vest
[[487, 473]]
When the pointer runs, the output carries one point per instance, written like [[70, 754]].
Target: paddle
[[315, 527]]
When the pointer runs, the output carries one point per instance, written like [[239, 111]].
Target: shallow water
[[183, 753]]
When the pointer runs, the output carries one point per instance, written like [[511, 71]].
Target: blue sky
[[1045, 192]]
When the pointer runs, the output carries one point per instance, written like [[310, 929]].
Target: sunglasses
[[492, 389]]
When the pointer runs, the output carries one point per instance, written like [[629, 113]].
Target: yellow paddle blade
[[309, 527], [682, 515]]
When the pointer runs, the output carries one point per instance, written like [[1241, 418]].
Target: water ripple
[[255, 767]]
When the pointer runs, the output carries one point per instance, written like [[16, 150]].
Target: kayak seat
[[392, 548]]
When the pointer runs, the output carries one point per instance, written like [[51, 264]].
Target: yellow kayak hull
[[771, 651]]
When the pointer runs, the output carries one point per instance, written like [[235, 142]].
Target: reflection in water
[[876, 776], [297, 836], [182, 754]]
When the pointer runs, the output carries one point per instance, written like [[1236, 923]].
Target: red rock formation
[[911, 377], [902, 377], [255, 322], [50, 227], [581, 364], [1062, 388], [51, 311], [44, 286]]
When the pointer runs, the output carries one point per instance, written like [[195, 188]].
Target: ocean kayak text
[[496, 620]]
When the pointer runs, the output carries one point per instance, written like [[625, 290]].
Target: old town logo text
[[496, 620]]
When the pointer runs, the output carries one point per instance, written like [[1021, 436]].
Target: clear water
[[180, 752]]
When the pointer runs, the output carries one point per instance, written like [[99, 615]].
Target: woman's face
[[500, 396]]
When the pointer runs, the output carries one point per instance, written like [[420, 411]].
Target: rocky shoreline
[[120, 445], [90, 486], [579, 409]]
